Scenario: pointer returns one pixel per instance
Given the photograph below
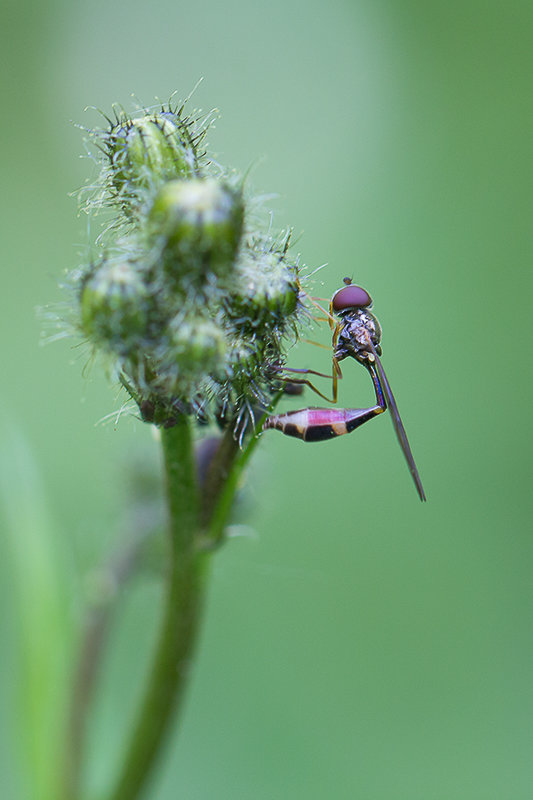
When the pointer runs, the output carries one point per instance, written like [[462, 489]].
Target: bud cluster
[[192, 305]]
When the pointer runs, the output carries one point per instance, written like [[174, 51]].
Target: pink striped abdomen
[[320, 424]]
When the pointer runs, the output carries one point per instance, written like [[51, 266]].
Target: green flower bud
[[266, 292], [199, 225], [197, 347], [147, 151], [114, 306]]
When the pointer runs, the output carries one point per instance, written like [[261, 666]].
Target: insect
[[356, 334]]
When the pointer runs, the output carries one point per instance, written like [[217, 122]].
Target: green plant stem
[[120, 569], [181, 615], [218, 475], [222, 500], [194, 531]]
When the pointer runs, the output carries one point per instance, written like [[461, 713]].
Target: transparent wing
[[398, 424]]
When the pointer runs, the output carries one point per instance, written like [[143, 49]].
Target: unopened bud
[[114, 306], [197, 347], [199, 225], [266, 291], [147, 151]]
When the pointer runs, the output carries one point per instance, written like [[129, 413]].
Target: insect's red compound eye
[[350, 297]]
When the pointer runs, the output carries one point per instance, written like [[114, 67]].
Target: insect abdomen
[[320, 424]]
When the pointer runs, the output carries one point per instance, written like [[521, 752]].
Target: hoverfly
[[356, 333]]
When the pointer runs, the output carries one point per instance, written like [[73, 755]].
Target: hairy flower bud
[[114, 305], [265, 293], [147, 151], [198, 224], [197, 347]]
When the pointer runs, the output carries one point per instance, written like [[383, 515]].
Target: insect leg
[[306, 382], [336, 374], [306, 372], [316, 344]]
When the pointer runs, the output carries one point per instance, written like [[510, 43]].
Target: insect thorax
[[356, 326]]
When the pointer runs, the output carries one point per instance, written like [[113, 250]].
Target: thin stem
[[182, 609], [220, 469], [223, 499], [194, 530], [116, 574], [188, 525]]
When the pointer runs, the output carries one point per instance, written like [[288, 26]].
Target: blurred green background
[[357, 644]]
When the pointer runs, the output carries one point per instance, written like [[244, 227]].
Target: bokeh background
[[357, 644]]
